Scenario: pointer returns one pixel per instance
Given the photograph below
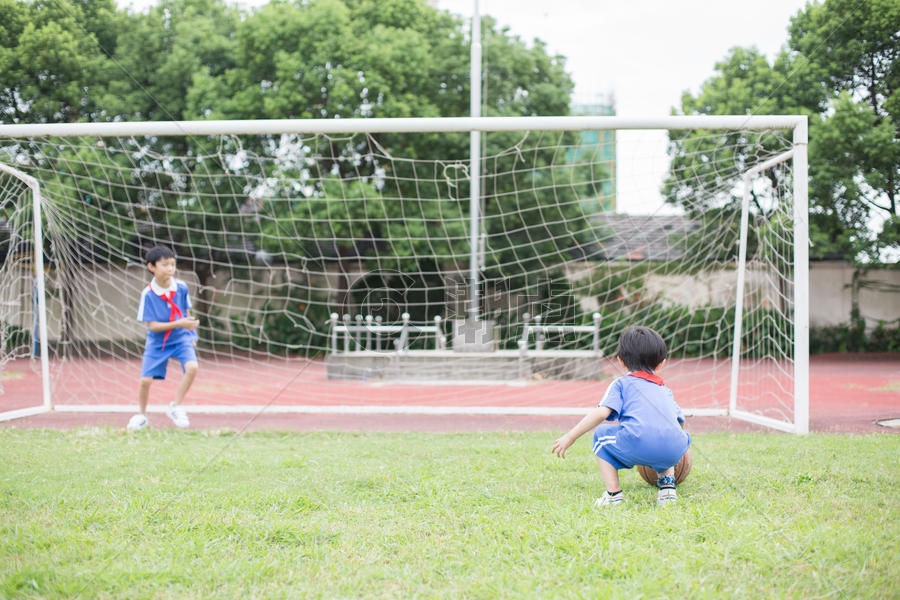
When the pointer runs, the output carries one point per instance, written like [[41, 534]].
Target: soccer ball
[[681, 470]]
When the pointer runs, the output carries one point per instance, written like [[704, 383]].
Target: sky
[[643, 54]]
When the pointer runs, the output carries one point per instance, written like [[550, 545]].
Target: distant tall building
[[602, 146]]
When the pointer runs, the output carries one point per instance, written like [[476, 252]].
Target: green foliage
[[840, 66], [204, 59], [54, 59], [91, 221], [332, 223], [855, 160], [703, 332], [289, 322], [852, 46], [890, 233], [295, 326], [853, 337], [884, 338], [709, 332], [163, 54], [12, 339], [532, 216]]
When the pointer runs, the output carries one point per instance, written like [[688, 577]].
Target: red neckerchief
[[173, 312], [648, 376]]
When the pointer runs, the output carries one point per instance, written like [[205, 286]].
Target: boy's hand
[[561, 445], [189, 323]]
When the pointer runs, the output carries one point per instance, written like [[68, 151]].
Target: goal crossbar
[[396, 125]]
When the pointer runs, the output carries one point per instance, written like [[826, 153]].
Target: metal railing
[[370, 333], [540, 331]]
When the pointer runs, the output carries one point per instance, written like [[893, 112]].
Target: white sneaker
[[137, 422], [666, 497], [178, 416], [606, 501]]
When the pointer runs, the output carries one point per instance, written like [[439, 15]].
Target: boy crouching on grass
[[165, 307], [649, 430]]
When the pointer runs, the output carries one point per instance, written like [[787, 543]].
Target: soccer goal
[[371, 265]]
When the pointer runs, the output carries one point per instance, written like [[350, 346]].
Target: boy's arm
[[588, 422], [187, 313], [187, 323], [679, 416]]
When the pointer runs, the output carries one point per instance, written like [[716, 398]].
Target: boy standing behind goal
[[165, 307]]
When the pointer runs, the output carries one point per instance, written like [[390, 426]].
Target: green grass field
[[95, 513]]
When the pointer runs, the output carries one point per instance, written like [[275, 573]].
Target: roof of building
[[642, 237]]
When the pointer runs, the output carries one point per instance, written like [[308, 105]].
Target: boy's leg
[[610, 476], [190, 372], [139, 421], [613, 495], [153, 367], [188, 358], [609, 463], [666, 484], [144, 393]]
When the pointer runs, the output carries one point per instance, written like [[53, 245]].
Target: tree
[[854, 50], [54, 59], [841, 68], [201, 59], [84, 61], [161, 53], [353, 58], [706, 165]]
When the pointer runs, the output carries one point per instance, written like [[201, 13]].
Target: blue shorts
[[659, 456], [605, 447], [155, 360]]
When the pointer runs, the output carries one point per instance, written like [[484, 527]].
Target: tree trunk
[[343, 293], [891, 194], [67, 291], [203, 270]]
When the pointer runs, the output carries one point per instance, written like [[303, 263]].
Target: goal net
[[332, 269]]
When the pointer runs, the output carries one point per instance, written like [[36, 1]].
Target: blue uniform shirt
[[154, 308], [649, 430]]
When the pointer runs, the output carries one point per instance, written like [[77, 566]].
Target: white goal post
[[41, 297], [343, 160]]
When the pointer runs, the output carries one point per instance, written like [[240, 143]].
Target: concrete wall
[[831, 291], [714, 288], [107, 297], [105, 301]]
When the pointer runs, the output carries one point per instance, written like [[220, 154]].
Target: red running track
[[848, 393]]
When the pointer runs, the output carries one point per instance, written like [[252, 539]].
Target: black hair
[[641, 349], [157, 253]]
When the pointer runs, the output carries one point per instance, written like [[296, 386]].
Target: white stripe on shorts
[[601, 443]]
